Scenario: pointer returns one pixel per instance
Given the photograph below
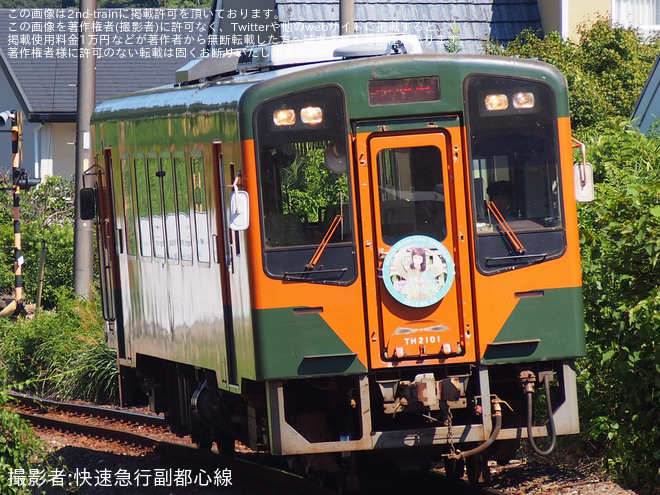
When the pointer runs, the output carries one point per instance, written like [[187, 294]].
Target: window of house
[[637, 13]]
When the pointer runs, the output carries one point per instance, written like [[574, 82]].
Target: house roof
[[136, 49], [142, 48], [470, 22], [647, 109]]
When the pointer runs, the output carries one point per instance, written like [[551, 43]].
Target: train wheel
[[226, 443], [455, 468], [203, 441], [477, 469]]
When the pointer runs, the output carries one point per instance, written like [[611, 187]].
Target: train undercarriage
[[464, 417]]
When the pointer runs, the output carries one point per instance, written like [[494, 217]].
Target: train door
[[110, 246], [412, 186], [227, 244]]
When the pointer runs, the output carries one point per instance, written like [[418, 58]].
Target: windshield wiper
[[324, 242], [305, 276], [516, 259], [508, 231]]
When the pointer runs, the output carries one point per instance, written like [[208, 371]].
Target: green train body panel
[[301, 346], [541, 329]]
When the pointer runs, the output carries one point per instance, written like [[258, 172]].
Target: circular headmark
[[418, 271]]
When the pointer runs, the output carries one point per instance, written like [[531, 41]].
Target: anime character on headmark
[[420, 272]]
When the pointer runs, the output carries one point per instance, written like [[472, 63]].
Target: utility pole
[[83, 236], [346, 17]]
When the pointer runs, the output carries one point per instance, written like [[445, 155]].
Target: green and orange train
[[347, 248]]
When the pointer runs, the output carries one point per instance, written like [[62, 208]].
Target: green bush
[[61, 353], [620, 242], [94, 375], [19, 448]]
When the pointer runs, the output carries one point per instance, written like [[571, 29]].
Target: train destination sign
[[407, 90]]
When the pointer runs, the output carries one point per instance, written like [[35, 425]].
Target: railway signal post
[[20, 180]]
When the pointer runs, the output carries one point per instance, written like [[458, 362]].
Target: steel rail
[[291, 483], [49, 405]]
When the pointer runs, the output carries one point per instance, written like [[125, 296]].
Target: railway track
[[94, 421], [151, 433]]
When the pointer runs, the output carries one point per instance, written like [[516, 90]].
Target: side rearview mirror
[[87, 203], [239, 205], [583, 177]]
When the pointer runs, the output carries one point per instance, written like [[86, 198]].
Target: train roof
[[246, 79], [232, 73], [300, 52]]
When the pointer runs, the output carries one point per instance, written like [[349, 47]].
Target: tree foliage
[[46, 214], [620, 241], [310, 187], [605, 71]]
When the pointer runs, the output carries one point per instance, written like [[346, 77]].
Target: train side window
[[117, 200], [129, 205], [199, 200], [156, 207], [142, 197], [170, 211], [183, 206]]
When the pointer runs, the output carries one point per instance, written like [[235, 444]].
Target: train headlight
[[496, 102], [523, 100], [286, 116], [311, 115]]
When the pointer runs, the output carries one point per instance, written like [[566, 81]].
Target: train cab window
[[129, 208], [411, 193], [183, 206], [514, 147], [142, 197], [155, 194], [199, 202], [305, 198]]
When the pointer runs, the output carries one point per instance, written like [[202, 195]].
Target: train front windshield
[[303, 179], [513, 136]]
